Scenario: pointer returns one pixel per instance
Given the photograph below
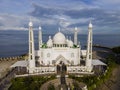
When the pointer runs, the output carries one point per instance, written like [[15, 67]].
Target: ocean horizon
[[15, 43]]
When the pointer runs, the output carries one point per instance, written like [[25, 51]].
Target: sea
[[15, 43]]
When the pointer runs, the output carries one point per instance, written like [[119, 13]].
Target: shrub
[[29, 83], [116, 50], [94, 81], [51, 87]]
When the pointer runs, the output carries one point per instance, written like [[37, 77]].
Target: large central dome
[[59, 38]]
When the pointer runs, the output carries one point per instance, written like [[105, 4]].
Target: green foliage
[[89, 80], [51, 87], [116, 50], [44, 46], [74, 46], [94, 81], [76, 86], [111, 61], [29, 83]]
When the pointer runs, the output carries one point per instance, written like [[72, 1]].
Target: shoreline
[[100, 46], [6, 62], [26, 54], [9, 58]]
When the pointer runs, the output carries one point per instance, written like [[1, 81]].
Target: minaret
[[31, 48], [89, 48], [75, 36], [40, 37], [79, 51], [79, 45]]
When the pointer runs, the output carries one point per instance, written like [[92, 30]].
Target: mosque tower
[[89, 48], [75, 36], [40, 37], [31, 48]]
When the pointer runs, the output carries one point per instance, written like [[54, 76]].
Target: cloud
[[13, 22], [108, 4], [74, 17], [40, 11], [13, 28], [67, 14]]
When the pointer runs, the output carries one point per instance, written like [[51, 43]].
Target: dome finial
[[30, 23], [90, 24], [49, 37], [59, 29], [40, 27], [76, 28]]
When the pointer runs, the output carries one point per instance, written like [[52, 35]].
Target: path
[[5, 82], [5, 67], [114, 82]]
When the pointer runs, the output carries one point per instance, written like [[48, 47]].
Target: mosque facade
[[59, 51]]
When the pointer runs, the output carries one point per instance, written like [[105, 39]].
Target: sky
[[66, 14]]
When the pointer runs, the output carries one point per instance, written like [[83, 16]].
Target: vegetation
[[44, 46], [116, 50], [74, 46], [29, 83], [51, 87], [94, 81], [34, 82], [75, 86]]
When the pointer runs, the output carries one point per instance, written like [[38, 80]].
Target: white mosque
[[59, 54], [58, 51]]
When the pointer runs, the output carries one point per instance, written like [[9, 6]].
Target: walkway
[[56, 83], [5, 82]]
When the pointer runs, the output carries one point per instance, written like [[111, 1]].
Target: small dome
[[49, 42], [30, 24], [67, 41], [40, 27], [59, 38], [70, 43], [76, 29], [90, 25]]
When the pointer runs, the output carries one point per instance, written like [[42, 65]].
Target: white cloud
[[12, 28], [108, 4], [15, 22], [78, 13]]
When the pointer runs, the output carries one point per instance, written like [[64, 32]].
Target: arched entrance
[[61, 68]]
